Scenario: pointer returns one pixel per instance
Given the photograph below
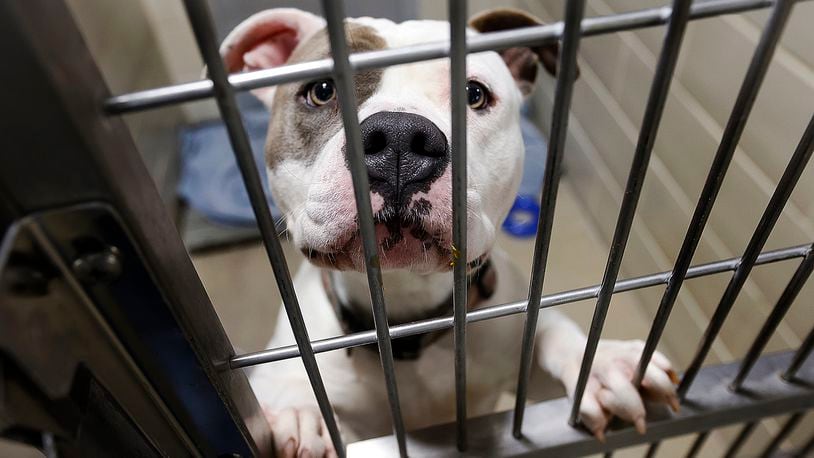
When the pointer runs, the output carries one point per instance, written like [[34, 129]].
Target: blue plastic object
[[522, 219], [524, 214]]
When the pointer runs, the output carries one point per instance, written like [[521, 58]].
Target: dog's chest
[[427, 385]]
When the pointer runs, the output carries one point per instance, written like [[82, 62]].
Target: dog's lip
[[401, 245], [343, 242]]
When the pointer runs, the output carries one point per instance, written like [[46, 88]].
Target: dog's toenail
[[290, 448]]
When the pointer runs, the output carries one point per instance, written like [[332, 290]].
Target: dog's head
[[405, 123]]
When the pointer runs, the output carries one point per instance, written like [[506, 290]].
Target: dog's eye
[[320, 93], [477, 95]]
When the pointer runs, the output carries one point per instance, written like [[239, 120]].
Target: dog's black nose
[[404, 153]]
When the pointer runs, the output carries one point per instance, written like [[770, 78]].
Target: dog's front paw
[[300, 432], [610, 390]]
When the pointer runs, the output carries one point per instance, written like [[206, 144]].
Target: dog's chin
[[405, 248]]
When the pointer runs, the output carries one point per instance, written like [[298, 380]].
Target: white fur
[[319, 207]]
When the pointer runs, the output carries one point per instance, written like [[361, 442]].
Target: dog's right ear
[[521, 61], [267, 40]]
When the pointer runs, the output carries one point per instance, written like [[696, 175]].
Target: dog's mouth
[[406, 240]]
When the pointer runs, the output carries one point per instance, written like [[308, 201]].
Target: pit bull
[[405, 124]]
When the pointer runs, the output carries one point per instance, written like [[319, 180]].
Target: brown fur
[[298, 131], [522, 61]]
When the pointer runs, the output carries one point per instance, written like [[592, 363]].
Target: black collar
[[354, 318]]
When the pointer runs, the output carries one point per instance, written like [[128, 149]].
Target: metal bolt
[[100, 267]]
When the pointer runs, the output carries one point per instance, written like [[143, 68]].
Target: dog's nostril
[[418, 145], [427, 144], [375, 142]]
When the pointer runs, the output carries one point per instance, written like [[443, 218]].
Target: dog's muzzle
[[404, 154]]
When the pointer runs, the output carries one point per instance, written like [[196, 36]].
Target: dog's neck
[[408, 295]]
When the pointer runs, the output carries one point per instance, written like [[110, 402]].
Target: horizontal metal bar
[[486, 313], [547, 434], [198, 90]]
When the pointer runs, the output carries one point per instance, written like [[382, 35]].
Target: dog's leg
[[609, 392], [291, 410], [282, 387]]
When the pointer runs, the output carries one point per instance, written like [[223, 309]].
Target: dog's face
[[404, 112]]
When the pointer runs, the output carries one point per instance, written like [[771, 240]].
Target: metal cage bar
[[567, 72], [807, 448], [783, 305], [343, 66], [741, 438], [343, 76], [547, 432], [458, 94], [800, 357], [697, 444], [784, 432], [201, 20], [723, 157], [197, 90], [761, 234], [638, 171], [486, 313], [652, 450]]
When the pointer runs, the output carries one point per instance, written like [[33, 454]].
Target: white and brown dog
[[405, 123]]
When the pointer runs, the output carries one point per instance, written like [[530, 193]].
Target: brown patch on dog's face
[[299, 131]]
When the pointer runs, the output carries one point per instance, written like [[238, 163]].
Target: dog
[[405, 124]]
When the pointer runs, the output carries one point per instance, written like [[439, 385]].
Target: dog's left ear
[[522, 61], [266, 40]]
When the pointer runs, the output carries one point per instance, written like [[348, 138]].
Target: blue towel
[[210, 181]]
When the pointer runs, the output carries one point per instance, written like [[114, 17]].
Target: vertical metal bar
[[696, 446], [457, 54], [651, 451], [638, 170], [566, 74], [200, 19], [608, 454], [805, 450], [723, 156], [343, 78], [743, 436], [800, 357], [783, 304], [764, 228], [784, 432]]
